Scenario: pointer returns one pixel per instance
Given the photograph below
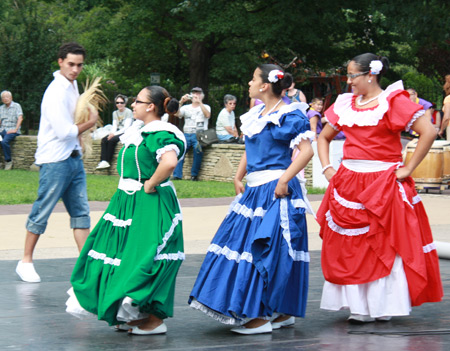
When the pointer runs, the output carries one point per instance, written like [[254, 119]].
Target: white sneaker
[[103, 165], [27, 272], [8, 165]]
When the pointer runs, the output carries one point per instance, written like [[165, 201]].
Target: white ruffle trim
[[177, 219], [117, 222], [163, 150], [230, 254], [308, 135], [428, 248], [295, 255], [248, 212], [74, 308], [106, 260], [416, 199], [171, 256], [403, 193], [213, 314], [414, 118], [347, 203], [388, 296], [344, 231], [252, 124], [129, 312], [366, 117]]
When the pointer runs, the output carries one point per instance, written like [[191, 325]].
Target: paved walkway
[[34, 316]]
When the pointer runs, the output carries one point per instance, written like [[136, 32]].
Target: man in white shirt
[[58, 154], [196, 116]]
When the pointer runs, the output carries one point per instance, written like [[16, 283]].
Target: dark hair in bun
[[363, 62], [163, 101], [281, 84]]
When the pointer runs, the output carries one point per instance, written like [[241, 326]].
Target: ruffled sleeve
[[402, 111], [332, 118], [293, 128], [164, 137]]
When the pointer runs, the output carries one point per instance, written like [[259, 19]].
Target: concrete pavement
[[201, 218]]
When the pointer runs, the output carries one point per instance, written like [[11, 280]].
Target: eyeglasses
[[142, 102], [120, 102], [353, 76]]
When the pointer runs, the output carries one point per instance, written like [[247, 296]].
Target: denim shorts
[[64, 180]]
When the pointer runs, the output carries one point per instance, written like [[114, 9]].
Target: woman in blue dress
[[255, 273]]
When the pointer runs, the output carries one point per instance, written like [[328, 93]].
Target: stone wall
[[220, 161]]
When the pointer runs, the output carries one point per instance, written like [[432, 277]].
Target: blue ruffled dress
[[258, 261]]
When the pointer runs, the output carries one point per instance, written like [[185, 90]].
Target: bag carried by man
[[207, 137]]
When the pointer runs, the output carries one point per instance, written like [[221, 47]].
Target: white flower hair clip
[[375, 67], [275, 75]]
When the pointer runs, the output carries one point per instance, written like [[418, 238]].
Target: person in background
[[196, 116], [435, 117], [61, 173], [315, 115], [445, 125], [122, 120], [226, 125], [295, 95], [370, 266], [11, 117]]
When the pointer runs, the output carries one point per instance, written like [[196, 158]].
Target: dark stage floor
[[34, 318]]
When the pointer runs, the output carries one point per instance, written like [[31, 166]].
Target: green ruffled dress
[[128, 266]]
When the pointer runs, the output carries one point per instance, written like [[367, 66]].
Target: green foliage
[[427, 88]]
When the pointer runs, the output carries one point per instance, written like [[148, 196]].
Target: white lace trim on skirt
[[177, 219], [128, 312], [117, 222], [388, 296], [344, 231], [295, 255], [171, 256], [106, 260], [429, 247], [74, 308], [347, 203], [230, 254]]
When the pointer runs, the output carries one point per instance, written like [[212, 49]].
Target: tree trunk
[[199, 61]]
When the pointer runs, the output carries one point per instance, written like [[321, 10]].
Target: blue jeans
[[7, 138], [224, 137], [67, 180], [192, 142]]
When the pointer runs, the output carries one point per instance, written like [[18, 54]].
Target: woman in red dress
[[378, 255]]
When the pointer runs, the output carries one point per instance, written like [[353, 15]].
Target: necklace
[[360, 103], [273, 108]]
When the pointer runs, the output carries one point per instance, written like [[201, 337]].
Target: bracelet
[[326, 167]]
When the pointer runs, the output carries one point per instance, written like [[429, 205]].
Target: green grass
[[20, 187]]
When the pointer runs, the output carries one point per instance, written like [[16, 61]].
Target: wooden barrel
[[446, 168], [431, 169]]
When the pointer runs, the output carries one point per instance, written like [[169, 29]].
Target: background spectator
[[122, 119], [226, 125], [11, 118], [196, 117]]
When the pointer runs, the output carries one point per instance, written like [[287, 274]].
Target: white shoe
[[384, 318], [265, 328], [286, 323], [360, 318], [160, 329], [103, 164], [8, 165], [27, 272]]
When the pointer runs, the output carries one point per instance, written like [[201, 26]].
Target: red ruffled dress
[[378, 255]]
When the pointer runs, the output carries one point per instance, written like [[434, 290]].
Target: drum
[[431, 169], [446, 171]]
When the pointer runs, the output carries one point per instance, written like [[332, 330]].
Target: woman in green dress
[[126, 271]]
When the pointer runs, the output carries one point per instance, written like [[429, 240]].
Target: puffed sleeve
[[164, 141], [294, 127], [402, 112], [332, 118]]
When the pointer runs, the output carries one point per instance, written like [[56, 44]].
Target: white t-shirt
[[194, 119], [225, 119]]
